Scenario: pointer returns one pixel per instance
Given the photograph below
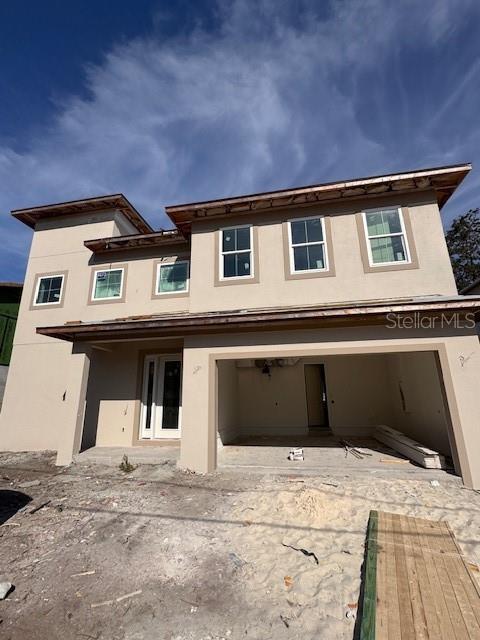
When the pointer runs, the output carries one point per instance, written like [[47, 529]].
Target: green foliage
[[126, 466], [463, 242]]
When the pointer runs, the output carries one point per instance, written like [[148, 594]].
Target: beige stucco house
[[327, 307]]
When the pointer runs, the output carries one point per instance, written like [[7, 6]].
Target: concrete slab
[[323, 454], [136, 455]]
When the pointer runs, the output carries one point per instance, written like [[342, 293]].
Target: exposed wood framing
[[177, 324]]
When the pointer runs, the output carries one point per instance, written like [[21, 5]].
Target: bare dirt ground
[[162, 554]]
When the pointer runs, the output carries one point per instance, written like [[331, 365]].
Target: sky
[[177, 101]]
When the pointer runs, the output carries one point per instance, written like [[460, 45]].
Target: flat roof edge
[[421, 179], [96, 204]]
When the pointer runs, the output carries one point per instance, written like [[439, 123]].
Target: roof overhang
[[137, 241], [442, 180], [116, 201], [181, 324]]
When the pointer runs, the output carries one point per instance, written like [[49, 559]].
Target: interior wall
[[358, 394], [417, 399], [227, 401], [272, 405]]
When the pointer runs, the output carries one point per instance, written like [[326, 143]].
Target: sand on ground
[[163, 554]]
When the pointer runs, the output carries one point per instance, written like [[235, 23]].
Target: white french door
[[161, 397]]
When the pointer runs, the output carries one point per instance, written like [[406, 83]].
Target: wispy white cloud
[[280, 94]]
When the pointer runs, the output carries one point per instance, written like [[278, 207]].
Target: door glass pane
[[149, 399], [171, 394]]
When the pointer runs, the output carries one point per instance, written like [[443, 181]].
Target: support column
[[198, 449], [460, 364], [74, 404]]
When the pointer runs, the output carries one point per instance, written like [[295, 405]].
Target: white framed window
[[108, 284], [236, 253], [386, 237], [172, 277], [307, 245], [49, 290]]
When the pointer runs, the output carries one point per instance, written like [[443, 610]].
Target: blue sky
[[174, 101]]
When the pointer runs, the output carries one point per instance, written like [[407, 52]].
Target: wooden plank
[[406, 595], [394, 630], [474, 591], [462, 583], [381, 618], [433, 536], [425, 618], [367, 628], [445, 626]]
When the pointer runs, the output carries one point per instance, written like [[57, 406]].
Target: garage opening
[[321, 402]]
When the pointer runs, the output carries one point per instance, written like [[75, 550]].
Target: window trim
[[252, 275], [121, 298], [403, 232], [324, 242], [45, 305], [158, 267]]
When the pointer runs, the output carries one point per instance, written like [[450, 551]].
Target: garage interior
[[319, 402]]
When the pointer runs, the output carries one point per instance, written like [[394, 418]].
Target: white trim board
[[410, 448]]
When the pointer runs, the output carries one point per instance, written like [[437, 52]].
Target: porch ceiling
[[318, 316]]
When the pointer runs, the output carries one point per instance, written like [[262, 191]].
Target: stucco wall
[[350, 282], [33, 404]]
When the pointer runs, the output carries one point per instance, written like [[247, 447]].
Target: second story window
[[236, 252], [386, 237], [308, 251], [172, 277], [49, 290], [108, 284]]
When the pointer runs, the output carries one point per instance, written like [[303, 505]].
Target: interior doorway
[[317, 400]]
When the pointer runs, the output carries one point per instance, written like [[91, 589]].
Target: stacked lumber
[[409, 448]]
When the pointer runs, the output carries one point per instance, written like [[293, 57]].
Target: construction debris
[[40, 506], [305, 552], [5, 588], [296, 454], [410, 448]]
